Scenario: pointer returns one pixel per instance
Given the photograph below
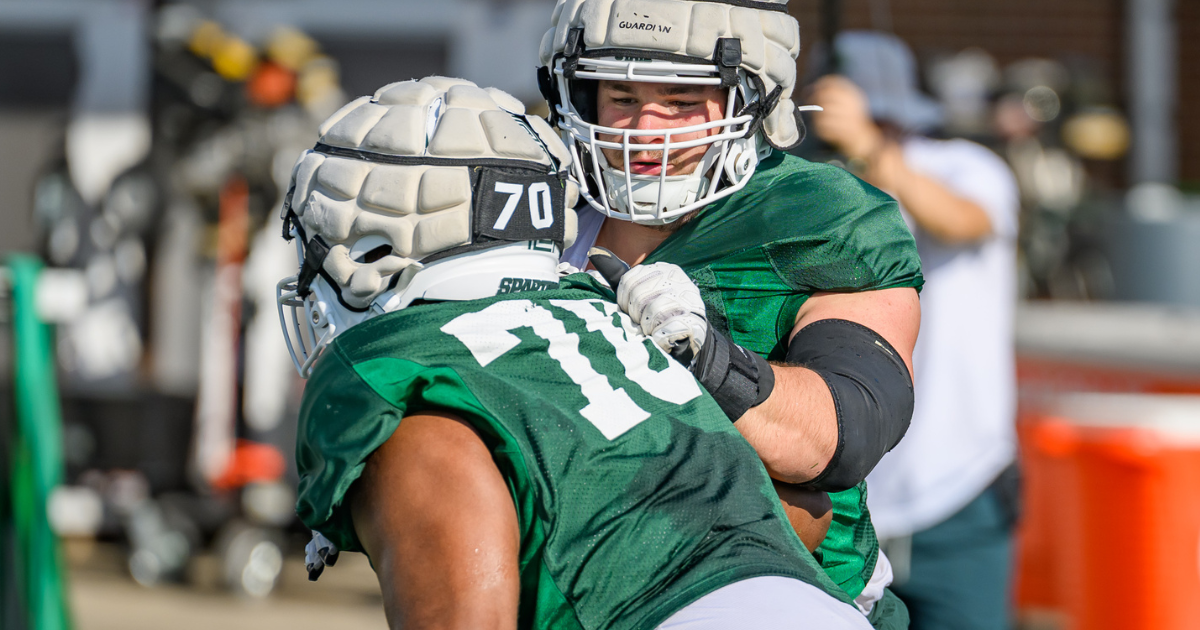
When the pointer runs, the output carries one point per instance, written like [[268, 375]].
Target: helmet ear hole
[[583, 99], [374, 254], [370, 248]]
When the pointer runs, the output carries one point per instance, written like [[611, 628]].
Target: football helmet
[[429, 190], [747, 47]]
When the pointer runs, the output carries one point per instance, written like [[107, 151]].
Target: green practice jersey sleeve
[[341, 419]]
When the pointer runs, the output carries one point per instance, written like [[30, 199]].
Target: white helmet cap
[[747, 46], [434, 189]]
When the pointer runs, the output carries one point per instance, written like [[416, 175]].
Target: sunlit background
[[144, 147]]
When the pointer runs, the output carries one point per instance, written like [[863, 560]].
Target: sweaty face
[[637, 105]]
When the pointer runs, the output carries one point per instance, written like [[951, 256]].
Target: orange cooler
[[1050, 509], [1112, 530]]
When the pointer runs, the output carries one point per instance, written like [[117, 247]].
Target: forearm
[[809, 511], [938, 211], [795, 431], [861, 344], [432, 496]]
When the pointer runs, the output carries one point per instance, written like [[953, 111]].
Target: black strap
[[315, 252], [289, 219], [422, 160], [752, 4], [288, 215], [639, 54], [759, 110], [728, 58], [572, 48], [737, 378]]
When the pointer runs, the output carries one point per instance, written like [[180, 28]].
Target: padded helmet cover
[[770, 41], [356, 200], [427, 188]]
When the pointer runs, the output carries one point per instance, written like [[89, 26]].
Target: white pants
[[767, 603]]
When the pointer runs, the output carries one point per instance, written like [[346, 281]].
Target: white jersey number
[[486, 334], [541, 204]]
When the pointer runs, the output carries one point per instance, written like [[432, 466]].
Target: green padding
[[37, 457]]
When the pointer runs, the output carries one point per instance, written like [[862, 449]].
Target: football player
[[508, 450], [679, 115]]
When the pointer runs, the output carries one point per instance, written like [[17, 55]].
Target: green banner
[[37, 453]]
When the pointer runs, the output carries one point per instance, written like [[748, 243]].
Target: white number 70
[[486, 334], [540, 204]]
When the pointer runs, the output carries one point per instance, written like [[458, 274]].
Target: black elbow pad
[[872, 393]]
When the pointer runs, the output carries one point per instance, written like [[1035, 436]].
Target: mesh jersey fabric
[[635, 495], [798, 227]]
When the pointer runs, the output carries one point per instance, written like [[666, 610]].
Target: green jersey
[[635, 495], [797, 228]]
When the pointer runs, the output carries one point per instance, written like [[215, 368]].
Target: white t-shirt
[[963, 433]]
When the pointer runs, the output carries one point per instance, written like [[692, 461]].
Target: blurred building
[[76, 62], [1093, 34], [1095, 106]]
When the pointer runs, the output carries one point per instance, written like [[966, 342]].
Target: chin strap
[[759, 110], [316, 251]]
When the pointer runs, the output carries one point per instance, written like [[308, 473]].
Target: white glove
[[319, 553], [664, 302]]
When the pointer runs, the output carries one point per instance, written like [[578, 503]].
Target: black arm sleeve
[[872, 393]]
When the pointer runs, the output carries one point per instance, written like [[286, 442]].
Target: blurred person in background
[[943, 500]]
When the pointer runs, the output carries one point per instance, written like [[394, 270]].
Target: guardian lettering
[[645, 26]]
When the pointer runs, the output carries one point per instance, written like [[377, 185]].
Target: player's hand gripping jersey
[[634, 493]]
